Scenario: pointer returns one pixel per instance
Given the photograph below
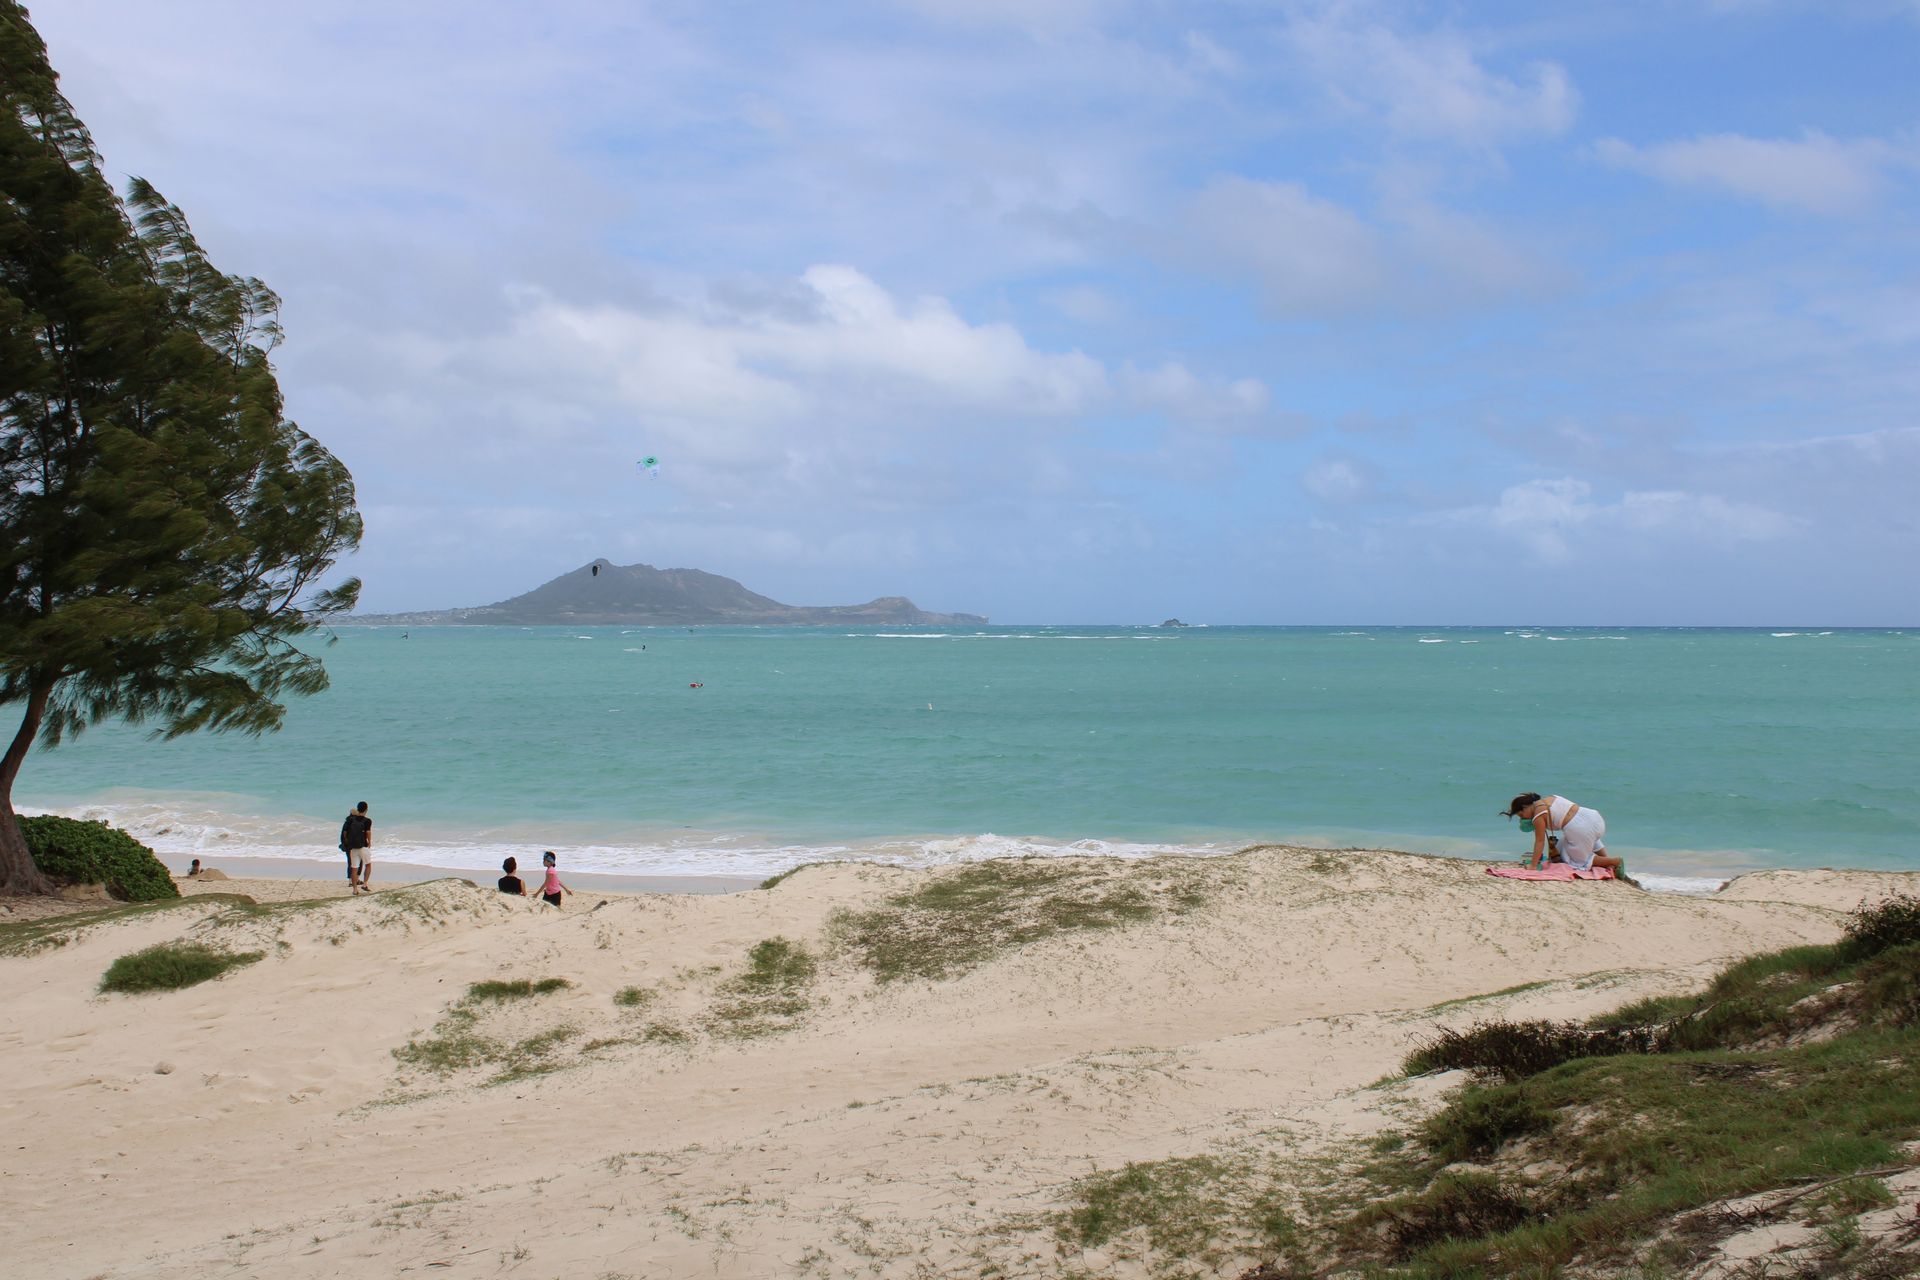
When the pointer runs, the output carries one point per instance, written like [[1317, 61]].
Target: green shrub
[[1881, 927], [172, 966], [1516, 1050], [72, 851], [1457, 1206], [1481, 1121], [1890, 987]]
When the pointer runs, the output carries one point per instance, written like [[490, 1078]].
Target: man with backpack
[[356, 841]]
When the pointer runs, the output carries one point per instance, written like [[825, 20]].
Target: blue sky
[[1078, 311]]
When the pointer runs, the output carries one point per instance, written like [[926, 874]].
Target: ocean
[[749, 750]]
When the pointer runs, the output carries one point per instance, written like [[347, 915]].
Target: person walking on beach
[[1581, 831], [356, 841], [552, 889]]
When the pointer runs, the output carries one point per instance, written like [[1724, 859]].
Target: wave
[[1691, 886]]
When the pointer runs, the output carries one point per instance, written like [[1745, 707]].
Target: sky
[[1079, 311]]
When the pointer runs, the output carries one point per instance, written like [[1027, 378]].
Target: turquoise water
[[1708, 751]]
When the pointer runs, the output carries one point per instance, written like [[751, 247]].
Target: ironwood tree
[[164, 529]]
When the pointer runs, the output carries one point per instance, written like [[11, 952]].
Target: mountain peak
[[601, 592]]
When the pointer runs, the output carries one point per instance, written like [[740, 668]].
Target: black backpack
[[351, 833]]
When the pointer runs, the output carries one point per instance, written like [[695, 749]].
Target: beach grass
[[769, 995], [773, 880], [960, 919], [635, 997], [172, 966], [30, 937], [534, 1055], [516, 988], [457, 1042], [1613, 1143], [1199, 1210]]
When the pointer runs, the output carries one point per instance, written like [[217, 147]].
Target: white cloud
[[1428, 86], [1552, 518], [1085, 304], [1310, 256], [1175, 390], [821, 390], [1814, 173], [850, 348], [1335, 479]]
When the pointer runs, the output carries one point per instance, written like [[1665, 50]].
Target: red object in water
[[696, 685]]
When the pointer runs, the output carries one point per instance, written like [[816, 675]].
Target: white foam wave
[[1693, 886]]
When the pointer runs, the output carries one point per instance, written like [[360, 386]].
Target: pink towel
[[1552, 871]]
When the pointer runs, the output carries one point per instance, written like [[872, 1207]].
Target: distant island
[[603, 593]]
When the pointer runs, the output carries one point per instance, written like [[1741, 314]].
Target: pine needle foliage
[[163, 527]]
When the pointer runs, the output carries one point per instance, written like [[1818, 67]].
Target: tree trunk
[[17, 872]]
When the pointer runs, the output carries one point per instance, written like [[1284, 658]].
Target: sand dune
[[906, 1077]]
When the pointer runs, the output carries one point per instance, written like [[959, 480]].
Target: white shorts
[[1580, 839], [359, 857]]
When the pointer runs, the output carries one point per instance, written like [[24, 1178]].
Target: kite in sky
[[652, 466]]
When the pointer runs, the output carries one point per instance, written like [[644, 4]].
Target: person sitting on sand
[[193, 870], [1581, 830], [511, 883], [552, 889]]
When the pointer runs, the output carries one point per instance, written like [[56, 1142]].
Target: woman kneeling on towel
[[1580, 829]]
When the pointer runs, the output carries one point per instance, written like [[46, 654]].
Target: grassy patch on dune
[[1629, 1146], [768, 996], [516, 989], [458, 1041], [1613, 1147], [220, 911], [773, 880], [29, 937], [957, 920], [172, 966], [1193, 1211]]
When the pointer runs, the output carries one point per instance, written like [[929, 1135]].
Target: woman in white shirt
[[1581, 830]]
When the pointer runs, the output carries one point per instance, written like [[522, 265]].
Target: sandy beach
[[861, 1071]]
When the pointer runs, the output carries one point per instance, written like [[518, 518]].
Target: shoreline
[[706, 861], [387, 874]]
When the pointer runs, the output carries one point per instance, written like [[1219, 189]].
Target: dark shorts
[[553, 898]]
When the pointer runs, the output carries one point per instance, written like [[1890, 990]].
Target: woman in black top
[[510, 883]]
